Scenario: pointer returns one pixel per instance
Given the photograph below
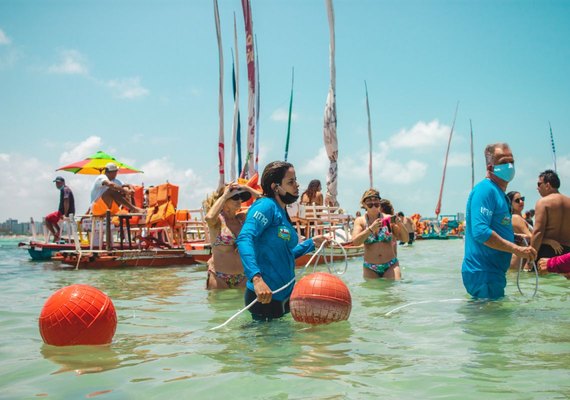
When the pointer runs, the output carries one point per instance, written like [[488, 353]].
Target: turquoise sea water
[[438, 345]]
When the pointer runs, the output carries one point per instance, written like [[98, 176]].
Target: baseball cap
[[111, 167], [59, 179]]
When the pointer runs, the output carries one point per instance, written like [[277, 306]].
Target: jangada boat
[[154, 241], [152, 257], [41, 249]]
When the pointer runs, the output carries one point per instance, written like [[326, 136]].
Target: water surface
[[434, 342]]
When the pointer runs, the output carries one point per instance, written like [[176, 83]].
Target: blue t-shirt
[[487, 210], [268, 244]]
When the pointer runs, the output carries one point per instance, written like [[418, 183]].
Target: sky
[[139, 80]]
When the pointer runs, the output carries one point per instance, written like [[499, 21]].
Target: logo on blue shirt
[[260, 217], [283, 233]]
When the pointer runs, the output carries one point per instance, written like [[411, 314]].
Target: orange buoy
[[320, 298], [78, 315]]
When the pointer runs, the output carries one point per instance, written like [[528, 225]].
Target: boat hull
[[334, 253], [201, 252], [126, 259], [42, 251]]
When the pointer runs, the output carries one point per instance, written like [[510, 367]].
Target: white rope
[[535, 272], [420, 302], [315, 254]]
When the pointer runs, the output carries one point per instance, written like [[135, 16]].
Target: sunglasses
[[519, 200], [372, 205], [244, 196]]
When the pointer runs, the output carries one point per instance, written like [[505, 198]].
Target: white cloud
[[400, 173], [81, 150], [26, 183], [317, 166], [4, 39], [71, 62], [458, 160], [9, 59], [129, 88], [421, 135], [282, 115]]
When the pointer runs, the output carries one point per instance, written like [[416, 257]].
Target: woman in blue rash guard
[[268, 243]]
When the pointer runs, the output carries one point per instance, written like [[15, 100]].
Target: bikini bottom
[[381, 269]]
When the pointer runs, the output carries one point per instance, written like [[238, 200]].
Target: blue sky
[[139, 79]]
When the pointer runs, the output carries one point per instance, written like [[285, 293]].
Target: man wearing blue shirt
[[489, 237]]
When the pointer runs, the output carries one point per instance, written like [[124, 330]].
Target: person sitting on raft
[[110, 191], [268, 243], [376, 232], [225, 270]]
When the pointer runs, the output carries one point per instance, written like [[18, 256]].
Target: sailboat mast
[[553, 148], [221, 154], [369, 139], [438, 207], [290, 113]]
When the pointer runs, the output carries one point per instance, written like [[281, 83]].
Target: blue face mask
[[505, 172]]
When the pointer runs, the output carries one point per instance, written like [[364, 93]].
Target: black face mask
[[288, 198]]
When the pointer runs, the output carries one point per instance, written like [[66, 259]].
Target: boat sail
[[329, 129], [251, 77]]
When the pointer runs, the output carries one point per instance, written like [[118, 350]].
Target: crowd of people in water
[[497, 234], [257, 250]]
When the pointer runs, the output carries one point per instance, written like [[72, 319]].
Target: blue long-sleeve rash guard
[[268, 244], [487, 211]]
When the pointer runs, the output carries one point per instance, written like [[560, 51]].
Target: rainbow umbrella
[[95, 165]]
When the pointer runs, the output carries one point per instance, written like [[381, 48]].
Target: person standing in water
[[377, 232], [551, 218], [224, 220], [489, 234], [268, 243]]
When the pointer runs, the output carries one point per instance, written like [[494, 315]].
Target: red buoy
[[320, 298], [78, 315]]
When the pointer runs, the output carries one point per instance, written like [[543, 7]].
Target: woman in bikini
[[376, 231], [225, 270]]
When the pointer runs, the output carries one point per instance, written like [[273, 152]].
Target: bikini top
[[226, 237], [383, 235]]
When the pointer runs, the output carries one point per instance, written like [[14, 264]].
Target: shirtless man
[[410, 225], [551, 218]]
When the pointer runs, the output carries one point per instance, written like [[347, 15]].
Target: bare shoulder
[[360, 221]]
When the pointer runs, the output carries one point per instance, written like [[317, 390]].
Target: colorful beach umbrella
[[95, 165]]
